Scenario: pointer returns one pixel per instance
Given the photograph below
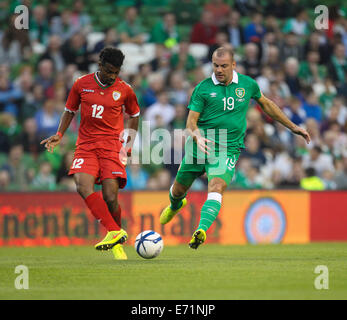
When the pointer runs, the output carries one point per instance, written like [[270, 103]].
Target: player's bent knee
[[217, 185], [84, 190]]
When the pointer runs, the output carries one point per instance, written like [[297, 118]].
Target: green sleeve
[[256, 91], [197, 101]]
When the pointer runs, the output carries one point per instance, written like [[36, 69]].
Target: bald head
[[222, 51]]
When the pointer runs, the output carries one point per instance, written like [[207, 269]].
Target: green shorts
[[223, 168]]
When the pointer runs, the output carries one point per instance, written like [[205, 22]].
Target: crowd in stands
[[302, 69]]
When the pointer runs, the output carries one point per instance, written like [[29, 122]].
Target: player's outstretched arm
[[53, 141], [271, 109]]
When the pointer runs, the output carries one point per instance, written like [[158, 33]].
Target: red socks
[[100, 211]]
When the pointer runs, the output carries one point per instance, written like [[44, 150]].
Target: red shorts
[[100, 163]]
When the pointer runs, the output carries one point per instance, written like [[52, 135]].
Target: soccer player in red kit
[[100, 156]]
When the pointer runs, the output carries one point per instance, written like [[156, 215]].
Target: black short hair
[[111, 55]]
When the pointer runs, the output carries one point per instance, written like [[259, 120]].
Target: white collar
[[235, 78]]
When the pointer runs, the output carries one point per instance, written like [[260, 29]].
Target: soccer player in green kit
[[216, 127]]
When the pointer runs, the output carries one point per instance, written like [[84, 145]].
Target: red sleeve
[[131, 105], [74, 98]]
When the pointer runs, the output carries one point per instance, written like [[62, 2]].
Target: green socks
[[210, 210]]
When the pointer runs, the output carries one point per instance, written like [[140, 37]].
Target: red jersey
[[102, 109]]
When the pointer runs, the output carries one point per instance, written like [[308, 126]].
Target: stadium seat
[[130, 49], [148, 50], [93, 38], [198, 50]]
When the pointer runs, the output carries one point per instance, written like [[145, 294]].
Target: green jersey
[[223, 112]]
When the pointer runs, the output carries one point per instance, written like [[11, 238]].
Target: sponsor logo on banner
[[265, 222]]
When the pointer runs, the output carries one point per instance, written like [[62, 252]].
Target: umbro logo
[[117, 172], [88, 90], [213, 94]]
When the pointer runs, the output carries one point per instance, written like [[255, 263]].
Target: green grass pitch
[[211, 272]]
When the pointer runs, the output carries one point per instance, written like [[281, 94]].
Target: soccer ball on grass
[[149, 244]]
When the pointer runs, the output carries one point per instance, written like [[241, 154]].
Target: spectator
[[219, 9], [185, 11], [275, 95], [45, 76], [291, 47], [246, 7], [111, 39], [45, 179], [63, 180], [166, 32], [75, 52], [53, 53], [15, 43], [179, 121], [161, 108], [317, 42], [295, 112], [234, 29], [298, 24], [265, 78], [310, 71], [341, 175], [277, 8], [338, 64], [255, 31], [312, 108], [131, 29], [47, 119], [177, 91], [183, 60], [33, 101], [30, 138], [52, 10], [21, 172], [205, 30], [79, 18], [291, 66], [272, 58], [9, 96], [137, 177], [312, 128], [311, 182], [156, 85], [4, 180], [221, 41], [251, 60], [318, 161], [253, 151], [62, 26], [39, 27]]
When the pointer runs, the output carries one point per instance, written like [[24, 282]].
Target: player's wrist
[[59, 134]]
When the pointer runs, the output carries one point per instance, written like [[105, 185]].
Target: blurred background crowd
[[168, 46]]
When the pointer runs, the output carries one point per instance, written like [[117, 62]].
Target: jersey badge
[[240, 92], [116, 95]]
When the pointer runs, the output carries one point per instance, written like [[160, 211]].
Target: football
[[149, 244]]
